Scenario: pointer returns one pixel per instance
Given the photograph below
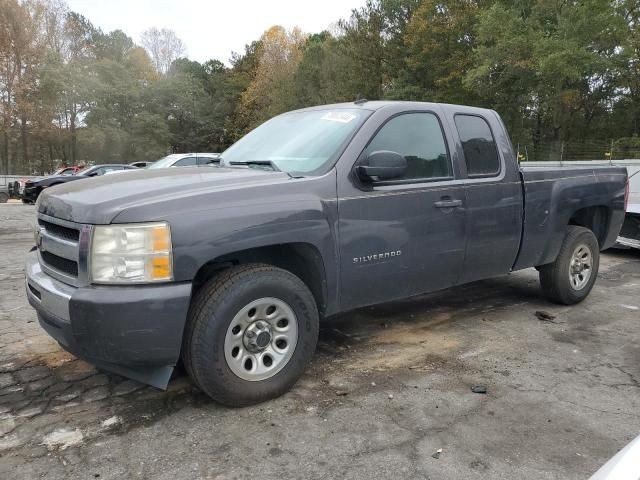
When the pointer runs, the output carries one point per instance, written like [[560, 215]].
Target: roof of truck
[[374, 105]]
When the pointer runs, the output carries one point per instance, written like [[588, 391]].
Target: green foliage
[[565, 77]]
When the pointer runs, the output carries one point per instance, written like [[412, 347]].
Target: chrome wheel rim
[[261, 339], [580, 267]]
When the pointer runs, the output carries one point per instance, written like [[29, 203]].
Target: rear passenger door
[[405, 236], [493, 194]]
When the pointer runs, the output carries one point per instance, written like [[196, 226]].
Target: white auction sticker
[[342, 117]]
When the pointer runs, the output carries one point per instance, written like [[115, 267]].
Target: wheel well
[[594, 218], [301, 259]]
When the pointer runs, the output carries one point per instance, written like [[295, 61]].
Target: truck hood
[[98, 200]]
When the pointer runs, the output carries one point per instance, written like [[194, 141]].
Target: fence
[[623, 148], [6, 179]]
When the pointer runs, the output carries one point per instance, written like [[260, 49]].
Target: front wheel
[[570, 278], [251, 332]]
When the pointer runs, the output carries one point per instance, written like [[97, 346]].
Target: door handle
[[448, 203]]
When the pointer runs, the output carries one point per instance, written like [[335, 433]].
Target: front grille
[[66, 233], [64, 265], [62, 249]]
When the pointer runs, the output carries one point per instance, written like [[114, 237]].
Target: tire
[[4, 197], [559, 283], [25, 201], [230, 298]]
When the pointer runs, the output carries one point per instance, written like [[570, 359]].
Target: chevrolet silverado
[[318, 211]]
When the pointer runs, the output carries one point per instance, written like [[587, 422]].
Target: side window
[[185, 162], [205, 160], [418, 138], [479, 146]]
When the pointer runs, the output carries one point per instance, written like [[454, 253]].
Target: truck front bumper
[[134, 331]]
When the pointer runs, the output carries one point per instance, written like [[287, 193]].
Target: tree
[[627, 109], [163, 46], [272, 90], [547, 66], [439, 43]]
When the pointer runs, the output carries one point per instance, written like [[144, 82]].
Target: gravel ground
[[389, 388]]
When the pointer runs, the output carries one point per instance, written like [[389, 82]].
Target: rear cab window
[[479, 146]]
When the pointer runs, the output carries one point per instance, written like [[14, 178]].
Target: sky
[[214, 28]]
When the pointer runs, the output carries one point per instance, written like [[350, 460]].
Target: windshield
[[298, 142], [166, 162]]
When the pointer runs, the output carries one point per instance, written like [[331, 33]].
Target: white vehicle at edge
[[625, 465]]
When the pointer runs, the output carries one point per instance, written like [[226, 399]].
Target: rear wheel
[[4, 197], [251, 333], [571, 277]]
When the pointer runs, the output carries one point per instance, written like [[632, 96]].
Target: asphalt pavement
[[389, 393]]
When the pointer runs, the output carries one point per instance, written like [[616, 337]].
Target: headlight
[[131, 253]]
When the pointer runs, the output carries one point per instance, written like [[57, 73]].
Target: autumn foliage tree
[[272, 89]]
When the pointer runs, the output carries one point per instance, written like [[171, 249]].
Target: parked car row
[[33, 188], [29, 189]]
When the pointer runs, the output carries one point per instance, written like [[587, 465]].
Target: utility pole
[[611, 153]]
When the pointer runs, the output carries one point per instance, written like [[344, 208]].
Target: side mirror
[[382, 165]]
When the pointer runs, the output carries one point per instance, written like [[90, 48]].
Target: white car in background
[[181, 160], [187, 160]]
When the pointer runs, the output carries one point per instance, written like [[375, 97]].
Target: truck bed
[[555, 197]]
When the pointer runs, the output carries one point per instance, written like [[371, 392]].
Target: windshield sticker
[[341, 117]]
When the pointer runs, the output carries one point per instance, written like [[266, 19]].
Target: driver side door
[[404, 236]]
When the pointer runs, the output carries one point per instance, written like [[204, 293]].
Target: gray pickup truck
[[230, 268]]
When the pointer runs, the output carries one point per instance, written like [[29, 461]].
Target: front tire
[[251, 332], [570, 278]]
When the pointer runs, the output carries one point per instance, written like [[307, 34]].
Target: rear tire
[[570, 278], [217, 351], [4, 197]]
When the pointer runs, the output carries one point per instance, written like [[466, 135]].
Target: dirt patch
[[416, 345]]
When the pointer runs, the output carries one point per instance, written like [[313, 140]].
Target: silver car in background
[[187, 160]]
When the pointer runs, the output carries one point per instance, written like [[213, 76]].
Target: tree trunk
[[4, 166], [74, 137], [26, 164]]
